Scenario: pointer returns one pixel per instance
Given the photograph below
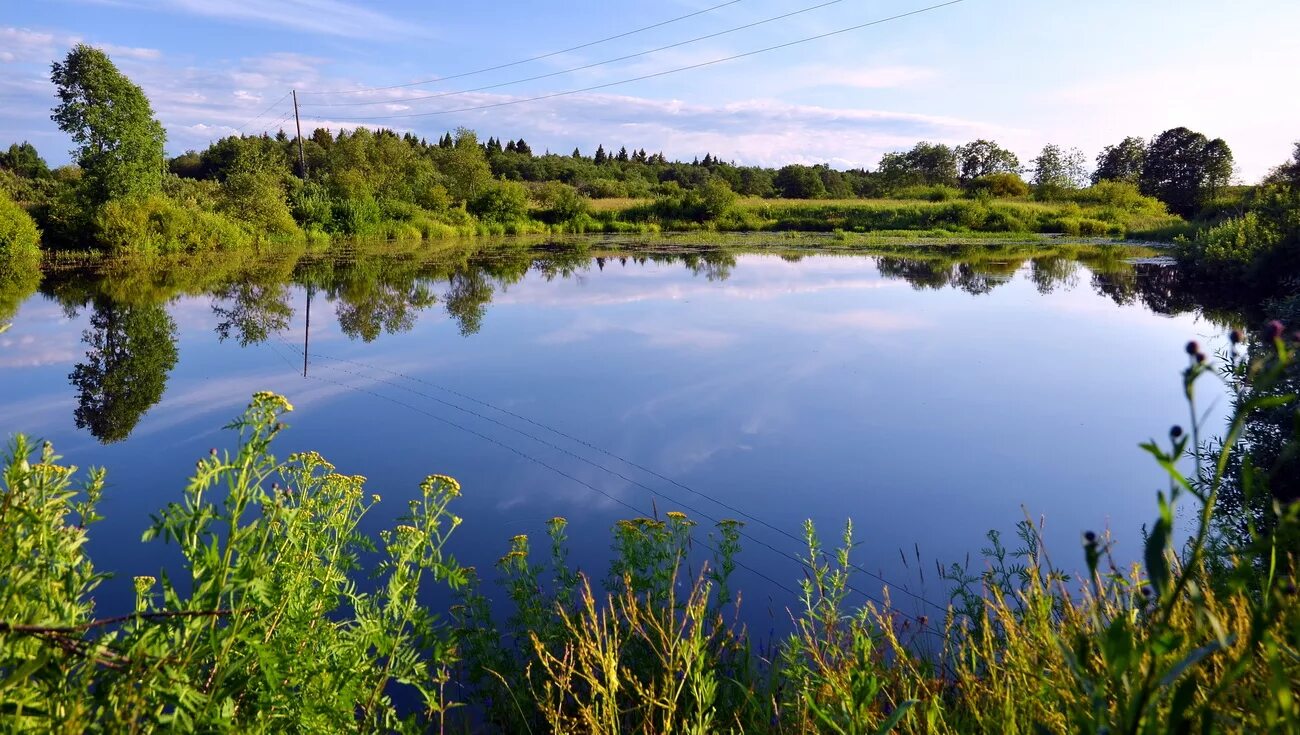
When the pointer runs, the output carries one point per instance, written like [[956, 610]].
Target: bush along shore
[[273, 625], [123, 194]]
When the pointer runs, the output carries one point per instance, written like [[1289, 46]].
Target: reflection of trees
[[1053, 272], [252, 311], [714, 266], [1160, 287], [380, 307], [130, 351], [921, 274], [468, 294], [14, 290]]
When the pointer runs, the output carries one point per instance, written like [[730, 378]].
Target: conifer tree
[[601, 156]]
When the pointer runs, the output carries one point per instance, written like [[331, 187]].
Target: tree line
[[124, 193]]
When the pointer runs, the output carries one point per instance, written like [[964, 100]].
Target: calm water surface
[[927, 401]]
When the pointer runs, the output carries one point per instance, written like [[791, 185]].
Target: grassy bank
[[272, 625]]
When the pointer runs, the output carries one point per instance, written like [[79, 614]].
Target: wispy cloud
[[323, 17]]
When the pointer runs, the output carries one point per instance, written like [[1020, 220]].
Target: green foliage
[[502, 202], [119, 144], [1000, 185], [983, 158], [20, 252], [130, 350], [1184, 169], [23, 160], [1259, 248], [268, 633], [156, 224], [799, 182], [257, 198], [560, 202], [926, 164], [1057, 171], [1121, 162]]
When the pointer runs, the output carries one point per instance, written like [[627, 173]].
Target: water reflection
[[131, 343], [131, 349]]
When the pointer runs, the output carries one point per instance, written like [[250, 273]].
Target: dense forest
[[124, 195]]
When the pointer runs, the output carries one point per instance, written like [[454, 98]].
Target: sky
[[1022, 72]]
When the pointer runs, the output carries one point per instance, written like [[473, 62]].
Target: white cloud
[[324, 17]]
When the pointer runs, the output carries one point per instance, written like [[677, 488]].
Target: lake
[[928, 393]]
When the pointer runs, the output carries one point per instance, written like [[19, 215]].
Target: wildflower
[[1274, 330], [1200, 357], [213, 451], [1236, 336], [1175, 432], [1090, 537], [1193, 347], [676, 515]]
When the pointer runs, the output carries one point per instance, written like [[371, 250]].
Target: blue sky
[[1022, 72]]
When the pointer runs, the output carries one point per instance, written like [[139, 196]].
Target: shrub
[[312, 207], [257, 197], [501, 203], [1000, 185], [355, 216], [604, 189], [20, 251], [560, 202], [935, 193], [155, 224]]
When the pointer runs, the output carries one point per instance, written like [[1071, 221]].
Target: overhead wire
[[615, 473], [262, 114], [666, 72], [530, 59], [535, 460], [611, 471], [498, 85]]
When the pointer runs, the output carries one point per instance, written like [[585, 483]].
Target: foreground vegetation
[[270, 623]]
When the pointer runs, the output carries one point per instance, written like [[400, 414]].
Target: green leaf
[[895, 718], [1156, 562], [1191, 659]]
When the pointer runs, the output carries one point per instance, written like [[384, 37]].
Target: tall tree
[[1121, 162], [601, 155], [799, 182], [131, 349], [982, 158], [119, 144], [23, 160], [1057, 170], [926, 164], [1182, 168]]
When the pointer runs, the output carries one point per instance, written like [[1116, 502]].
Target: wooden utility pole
[[302, 159]]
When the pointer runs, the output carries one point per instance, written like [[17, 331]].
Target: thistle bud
[[1090, 537], [1237, 337], [1192, 347], [1274, 330], [1175, 432]]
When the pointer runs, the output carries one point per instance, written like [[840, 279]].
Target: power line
[[537, 461], [584, 66], [615, 473], [532, 58], [262, 113], [688, 67]]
